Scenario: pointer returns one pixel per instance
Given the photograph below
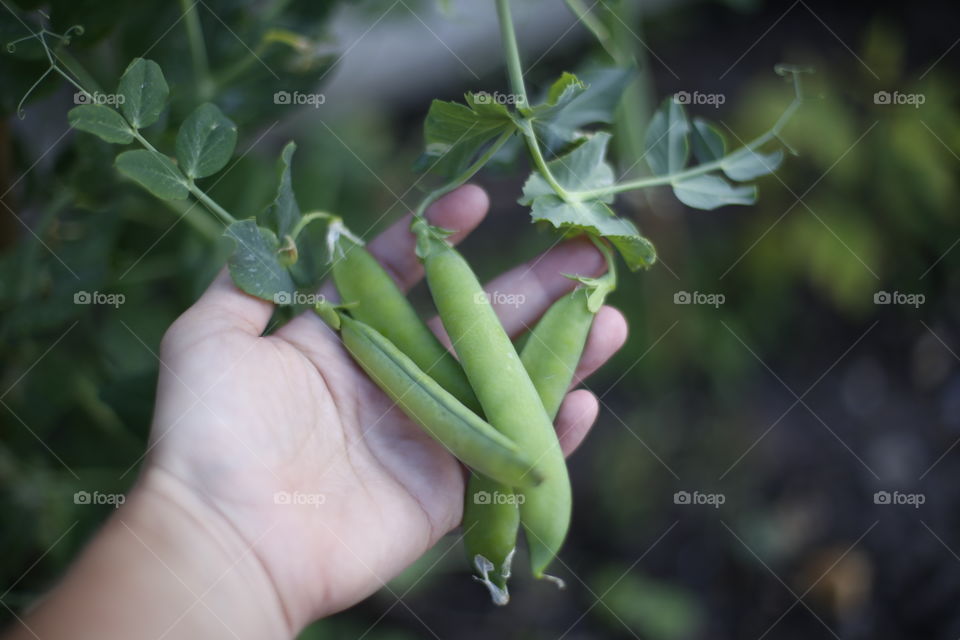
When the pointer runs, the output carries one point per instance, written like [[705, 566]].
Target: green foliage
[[255, 264], [155, 172], [144, 91], [574, 103], [667, 140], [585, 169], [102, 121], [284, 213], [205, 141], [454, 133]]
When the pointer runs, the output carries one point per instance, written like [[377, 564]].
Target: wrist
[[212, 566]]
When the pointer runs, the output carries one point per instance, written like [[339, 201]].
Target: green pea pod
[[509, 399], [490, 515], [382, 305], [477, 444], [555, 345]]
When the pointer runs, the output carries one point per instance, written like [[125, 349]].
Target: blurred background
[[778, 463]]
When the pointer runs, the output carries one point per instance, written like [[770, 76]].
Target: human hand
[[287, 447]]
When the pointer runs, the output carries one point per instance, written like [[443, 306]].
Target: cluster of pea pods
[[490, 407]]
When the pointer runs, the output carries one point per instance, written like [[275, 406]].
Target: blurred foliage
[[870, 203]]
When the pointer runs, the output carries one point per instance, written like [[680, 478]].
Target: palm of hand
[[287, 441], [305, 457]]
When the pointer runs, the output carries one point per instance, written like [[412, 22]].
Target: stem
[[197, 192], [604, 248], [211, 204], [512, 56], [468, 173], [643, 183], [538, 160], [73, 66], [511, 53], [307, 219], [196, 218], [198, 50]]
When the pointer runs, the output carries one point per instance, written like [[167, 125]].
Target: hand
[[245, 421]]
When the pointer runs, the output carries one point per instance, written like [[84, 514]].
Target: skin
[[201, 549]]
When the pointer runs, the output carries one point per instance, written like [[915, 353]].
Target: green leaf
[[155, 172], [746, 164], [596, 218], [255, 266], [706, 141], [582, 169], [101, 121], [667, 145], [455, 133], [144, 92], [710, 192], [205, 141], [284, 212], [573, 103], [559, 95]]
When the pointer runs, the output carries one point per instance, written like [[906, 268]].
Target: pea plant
[[490, 406]]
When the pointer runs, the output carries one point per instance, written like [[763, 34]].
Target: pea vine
[[571, 185]]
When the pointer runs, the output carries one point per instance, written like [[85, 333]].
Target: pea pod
[[382, 305], [550, 357], [423, 400], [509, 399]]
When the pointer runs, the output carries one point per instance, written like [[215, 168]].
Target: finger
[[224, 306], [607, 335], [460, 210], [520, 296], [577, 414]]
